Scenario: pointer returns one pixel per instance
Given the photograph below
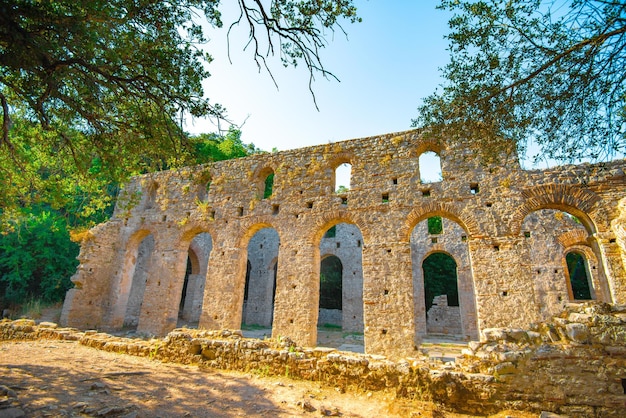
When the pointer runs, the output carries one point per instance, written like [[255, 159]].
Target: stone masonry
[[504, 227]]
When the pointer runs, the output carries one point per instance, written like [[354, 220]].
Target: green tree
[[217, 147], [55, 204], [37, 259], [114, 78], [550, 72]]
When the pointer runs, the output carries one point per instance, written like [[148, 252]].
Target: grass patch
[[32, 309], [331, 326]]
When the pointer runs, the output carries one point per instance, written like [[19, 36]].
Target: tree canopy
[[544, 72], [54, 207], [110, 81]]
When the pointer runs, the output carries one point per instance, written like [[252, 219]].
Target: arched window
[[343, 174], [430, 167], [578, 278], [269, 185]]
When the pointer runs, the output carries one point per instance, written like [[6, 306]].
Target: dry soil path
[[66, 379]]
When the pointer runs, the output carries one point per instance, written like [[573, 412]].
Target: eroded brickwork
[[506, 276]]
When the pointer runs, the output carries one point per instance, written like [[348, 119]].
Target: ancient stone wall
[[499, 277]]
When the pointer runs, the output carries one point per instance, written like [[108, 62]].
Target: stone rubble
[[574, 365]]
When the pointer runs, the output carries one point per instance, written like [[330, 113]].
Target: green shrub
[[37, 259]]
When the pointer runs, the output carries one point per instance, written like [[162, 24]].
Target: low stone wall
[[330, 317], [575, 365]]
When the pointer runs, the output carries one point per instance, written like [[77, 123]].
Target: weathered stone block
[[577, 332]]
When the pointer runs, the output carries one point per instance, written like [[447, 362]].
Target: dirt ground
[[66, 379]]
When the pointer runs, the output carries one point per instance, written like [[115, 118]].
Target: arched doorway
[[443, 286], [341, 288], [578, 276], [441, 295], [190, 306], [140, 268], [261, 272], [331, 274]]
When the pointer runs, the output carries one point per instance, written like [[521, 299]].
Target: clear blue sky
[[387, 64]]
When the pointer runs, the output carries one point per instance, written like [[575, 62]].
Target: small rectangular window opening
[[275, 209], [358, 243], [435, 225], [164, 218], [385, 198], [344, 201], [612, 240], [426, 193], [338, 245], [213, 214], [433, 240], [496, 248], [505, 293], [394, 180], [386, 292], [463, 238], [489, 204], [474, 188], [526, 234], [309, 205], [240, 211]]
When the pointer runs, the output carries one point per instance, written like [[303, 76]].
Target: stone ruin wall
[[574, 364], [508, 273]]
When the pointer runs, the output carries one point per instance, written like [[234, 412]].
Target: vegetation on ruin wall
[[533, 71]]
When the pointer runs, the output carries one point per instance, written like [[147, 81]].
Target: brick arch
[[331, 218], [190, 232], [251, 226], [439, 250], [341, 158], [423, 145], [136, 237], [465, 219], [573, 237], [574, 200]]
